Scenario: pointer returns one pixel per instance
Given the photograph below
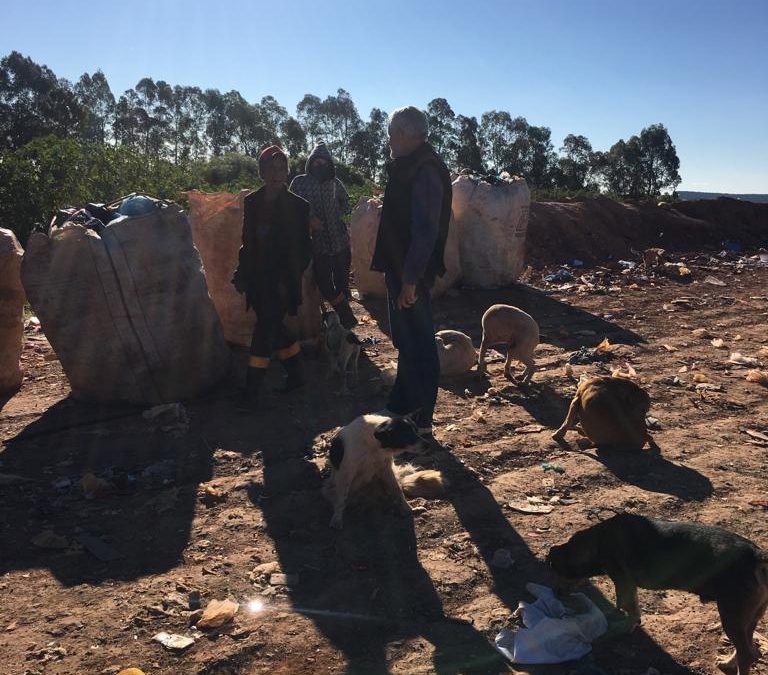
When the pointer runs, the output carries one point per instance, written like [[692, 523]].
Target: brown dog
[[654, 257], [612, 411], [639, 552], [505, 324]]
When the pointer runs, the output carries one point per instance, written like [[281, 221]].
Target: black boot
[[249, 399], [346, 315], [295, 374]]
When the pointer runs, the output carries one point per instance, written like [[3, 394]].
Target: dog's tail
[[426, 483]]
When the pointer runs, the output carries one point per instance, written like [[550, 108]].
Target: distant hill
[[714, 195]]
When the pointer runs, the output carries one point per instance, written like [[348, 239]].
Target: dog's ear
[[382, 430]]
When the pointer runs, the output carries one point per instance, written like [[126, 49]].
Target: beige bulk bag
[[11, 311], [217, 229], [492, 221], [127, 310], [364, 226], [456, 353]]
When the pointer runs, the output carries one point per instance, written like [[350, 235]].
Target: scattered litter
[[706, 386], [553, 631], [586, 355], [718, 343], [451, 427], [533, 509], [759, 376], [630, 373], [547, 466], [701, 333], [627, 264], [568, 370], [210, 494], [741, 360], [170, 418], [700, 377], [131, 671], [174, 642], [759, 502], [670, 348], [714, 281], [502, 559], [478, 415], [217, 614], [759, 435], [49, 539], [652, 423], [529, 429], [560, 276]]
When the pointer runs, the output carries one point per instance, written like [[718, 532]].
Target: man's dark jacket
[[289, 243], [394, 236]]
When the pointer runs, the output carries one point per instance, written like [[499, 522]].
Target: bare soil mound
[[594, 230]]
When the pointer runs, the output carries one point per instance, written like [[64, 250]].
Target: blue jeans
[[418, 367]]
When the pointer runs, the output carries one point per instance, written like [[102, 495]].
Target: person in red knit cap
[[275, 252]]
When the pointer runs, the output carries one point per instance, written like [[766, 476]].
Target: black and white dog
[[342, 348], [364, 450]]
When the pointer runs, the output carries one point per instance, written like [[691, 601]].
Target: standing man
[[275, 252], [331, 252], [409, 250]]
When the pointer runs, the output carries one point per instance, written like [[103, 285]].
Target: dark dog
[[638, 552], [612, 412]]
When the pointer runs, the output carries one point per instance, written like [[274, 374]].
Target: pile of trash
[[121, 296], [647, 266]]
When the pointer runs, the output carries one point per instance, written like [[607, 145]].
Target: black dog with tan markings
[[639, 552]]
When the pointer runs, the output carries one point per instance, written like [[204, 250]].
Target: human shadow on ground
[[651, 472], [146, 474], [151, 476]]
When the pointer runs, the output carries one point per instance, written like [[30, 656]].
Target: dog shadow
[[650, 471]]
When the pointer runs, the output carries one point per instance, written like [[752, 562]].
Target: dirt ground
[[91, 570]]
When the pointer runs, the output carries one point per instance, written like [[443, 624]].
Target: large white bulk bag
[[364, 226], [492, 221], [127, 310], [11, 311], [217, 229]]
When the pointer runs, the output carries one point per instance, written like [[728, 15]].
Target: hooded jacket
[[328, 201]]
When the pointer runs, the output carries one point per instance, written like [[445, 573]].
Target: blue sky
[[601, 68]]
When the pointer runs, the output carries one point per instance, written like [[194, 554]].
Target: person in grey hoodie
[[332, 255]]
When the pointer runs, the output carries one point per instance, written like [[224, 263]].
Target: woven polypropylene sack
[[364, 226], [491, 222], [127, 311], [217, 229], [11, 311]]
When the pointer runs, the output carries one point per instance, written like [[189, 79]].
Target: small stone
[[174, 642]]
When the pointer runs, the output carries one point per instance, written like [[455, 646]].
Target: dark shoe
[[249, 399], [346, 315], [295, 374]]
